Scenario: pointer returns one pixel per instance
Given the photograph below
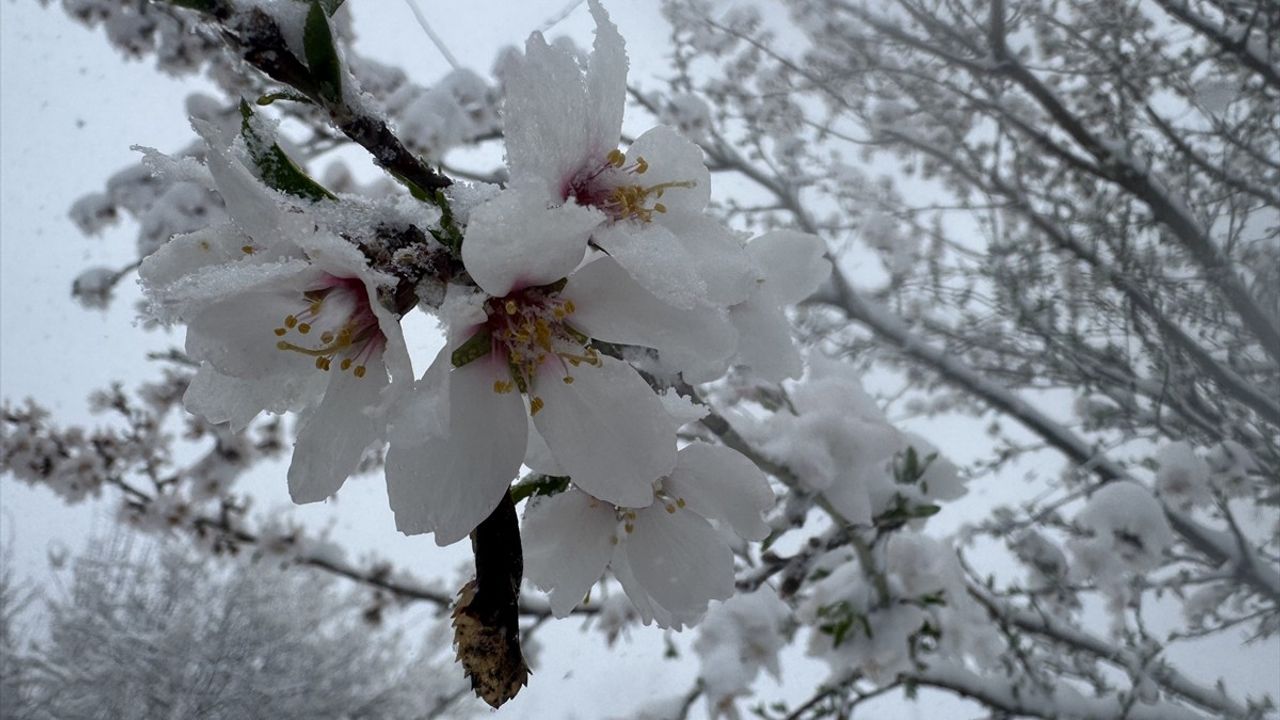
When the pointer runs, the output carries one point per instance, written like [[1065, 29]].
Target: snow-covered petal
[[556, 121], [518, 240], [606, 84], [607, 430], [332, 439], [254, 208], [567, 539], [792, 262], [720, 484], [672, 158], [612, 307], [448, 484], [764, 339], [679, 559], [655, 259]]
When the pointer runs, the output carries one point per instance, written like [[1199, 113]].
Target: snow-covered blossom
[[788, 267], [921, 612], [740, 637], [669, 558], [840, 443], [281, 314], [643, 207], [1128, 535], [1183, 476], [551, 280]]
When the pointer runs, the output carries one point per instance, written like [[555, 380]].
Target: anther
[[290, 321], [568, 379], [535, 405], [280, 332], [346, 364], [304, 328], [358, 372]]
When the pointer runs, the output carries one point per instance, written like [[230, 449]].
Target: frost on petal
[[606, 85], [680, 560], [655, 259], [254, 208], [555, 120], [567, 539], [517, 240], [607, 430], [720, 484], [221, 398], [792, 262], [672, 158], [448, 484], [173, 261], [764, 339], [332, 439], [611, 306]]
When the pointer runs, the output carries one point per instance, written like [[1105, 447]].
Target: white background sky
[[70, 108]]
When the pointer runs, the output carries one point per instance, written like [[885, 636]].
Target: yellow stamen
[[358, 372], [535, 405]]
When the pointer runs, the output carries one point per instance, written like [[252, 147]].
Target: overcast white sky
[[70, 108]]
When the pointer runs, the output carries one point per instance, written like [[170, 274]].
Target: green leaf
[[275, 167], [539, 485], [322, 56], [331, 6], [290, 96], [473, 349]]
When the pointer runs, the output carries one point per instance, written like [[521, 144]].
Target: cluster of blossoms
[[591, 278]]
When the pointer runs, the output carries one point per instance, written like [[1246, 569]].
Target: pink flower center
[[339, 316], [612, 188]]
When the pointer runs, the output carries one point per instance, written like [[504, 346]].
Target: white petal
[[680, 561], [607, 430], [721, 484], [332, 440], [672, 158], [448, 484], [257, 209], [655, 259], [792, 262], [516, 240], [237, 336], [567, 539], [606, 85], [613, 307], [645, 608], [718, 256], [537, 456], [221, 398], [764, 338]]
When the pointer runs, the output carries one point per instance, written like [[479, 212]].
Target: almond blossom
[[668, 557], [643, 207], [282, 315]]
